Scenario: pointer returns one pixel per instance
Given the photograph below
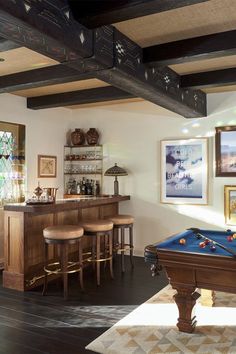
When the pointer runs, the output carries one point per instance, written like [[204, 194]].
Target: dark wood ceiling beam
[[52, 75], [94, 13], [209, 79], [47, 27], [158, 85], [192, 49], [102, 94], [6, 45]]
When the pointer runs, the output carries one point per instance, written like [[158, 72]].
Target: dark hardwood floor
[[31, 323]]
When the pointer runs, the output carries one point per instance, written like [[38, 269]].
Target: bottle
[[78, 187], [88, 187], [83, 187], [97, 188]]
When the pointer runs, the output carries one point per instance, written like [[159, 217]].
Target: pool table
[[190, 264]]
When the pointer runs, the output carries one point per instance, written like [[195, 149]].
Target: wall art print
[[184, 171], [230, 205], [47, 166], [225, 150]]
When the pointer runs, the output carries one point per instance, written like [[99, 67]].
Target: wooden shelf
[[81, 160], [83, 173], [82, 146]]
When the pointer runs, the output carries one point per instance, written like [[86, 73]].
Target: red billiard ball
[[202, 244], [206, 242], [213, 248], [182, 241], [230, 238]]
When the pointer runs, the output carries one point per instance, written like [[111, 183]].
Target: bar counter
[[23, 234]]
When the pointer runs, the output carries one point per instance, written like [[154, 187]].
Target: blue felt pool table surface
[[192, 243]]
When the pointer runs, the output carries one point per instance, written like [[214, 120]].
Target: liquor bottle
[[83, 187], [88, 187], [78, 187], [97, 188]]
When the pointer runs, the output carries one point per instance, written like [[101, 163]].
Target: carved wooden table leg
[[185, 300]]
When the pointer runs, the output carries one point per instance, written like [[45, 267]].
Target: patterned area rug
[[151, 329]]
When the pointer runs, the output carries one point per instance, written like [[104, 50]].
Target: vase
[[92, 136], [77, 137]]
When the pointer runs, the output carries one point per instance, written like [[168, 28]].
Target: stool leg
[[93, 251], [98, 258], [64, 264], [110, 252], [122, 232], [115, 240], [81, 265], [131, 243], [45, 284]]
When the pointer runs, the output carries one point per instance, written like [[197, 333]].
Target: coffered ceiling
[[128, 52]]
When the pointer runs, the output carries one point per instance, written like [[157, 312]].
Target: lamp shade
[[115, 171]]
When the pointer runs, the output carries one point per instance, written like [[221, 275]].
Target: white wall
[[131, 135], [45, 134]]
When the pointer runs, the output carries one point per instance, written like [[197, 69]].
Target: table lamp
[[115, 171]]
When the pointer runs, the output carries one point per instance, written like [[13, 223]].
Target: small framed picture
[[184, 171], [225, 149], [47, 166], [230, 204]]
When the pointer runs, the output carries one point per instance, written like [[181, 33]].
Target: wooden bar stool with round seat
[[120, 223], [100, 230], [63, 235]]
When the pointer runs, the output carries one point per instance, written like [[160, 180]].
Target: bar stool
[[63, 235], [98, 229], [120, 223]]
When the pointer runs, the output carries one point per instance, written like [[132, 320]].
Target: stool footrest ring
[[48, 269], [99, 260], [127, 247]]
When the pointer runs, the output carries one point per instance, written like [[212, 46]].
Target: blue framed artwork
[[184, 171]]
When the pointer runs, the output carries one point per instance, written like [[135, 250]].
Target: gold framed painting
[[230, 204], [47, 166]]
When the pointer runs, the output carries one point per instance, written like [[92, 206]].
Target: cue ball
[[234, 236], [213, 248], [182, 241], [229, 238], [202, 245]]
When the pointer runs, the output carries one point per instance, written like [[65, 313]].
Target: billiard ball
[[234, 236], [229, 238], [202, 244], [213, 248], [207, 241], [182, 241]]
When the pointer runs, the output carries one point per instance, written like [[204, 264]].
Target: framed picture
[[225, 148], [47, 166], [230, 204], [184, 171]]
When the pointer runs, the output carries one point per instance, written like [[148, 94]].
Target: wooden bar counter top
[[23, 234]]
